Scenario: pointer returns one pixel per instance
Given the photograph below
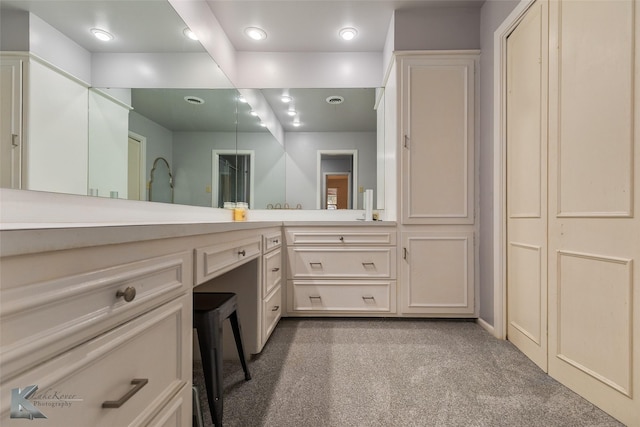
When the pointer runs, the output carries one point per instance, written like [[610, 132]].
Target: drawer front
[[348, 236], [272, 241], [80, 381], [272, 264], [341, 263], [271, 313], [40, 320], [214, 260], [177, 413], [355, 296]]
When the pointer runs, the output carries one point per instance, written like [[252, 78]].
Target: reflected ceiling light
[[101, 34], [296, 123], [190, 34], [194, 100], [242, 99], [292, 111], [348, 33], [253, 113], [286, 98], [255, 33], [263, 124]]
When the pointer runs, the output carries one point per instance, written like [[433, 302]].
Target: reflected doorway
[[337, 179], [136, 167], [232, 177], [337, 191]]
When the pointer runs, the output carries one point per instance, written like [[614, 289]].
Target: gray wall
[[192, 164], [493, 13], [301, 150], [437, 29], [159, 141]]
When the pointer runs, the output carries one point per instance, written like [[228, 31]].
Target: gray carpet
[[394, 372]]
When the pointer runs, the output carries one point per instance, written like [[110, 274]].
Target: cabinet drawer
[[272, 241], [177, 413], [341, 263], [40, 320], [271, 313], [214, 260], [272, 271], [348, 236], [149, 347], [341, 296]]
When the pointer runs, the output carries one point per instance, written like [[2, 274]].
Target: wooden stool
[[210, 309]]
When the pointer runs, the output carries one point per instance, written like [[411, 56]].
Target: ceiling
[[292, 26]]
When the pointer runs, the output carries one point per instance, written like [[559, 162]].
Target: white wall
[[492, 14], [301, 163]]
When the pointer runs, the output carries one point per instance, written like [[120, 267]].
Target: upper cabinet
[[437, 118]]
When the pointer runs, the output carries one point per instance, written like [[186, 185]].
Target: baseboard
[[489, 328]]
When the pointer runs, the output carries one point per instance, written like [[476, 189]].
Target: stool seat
[[210, 309]]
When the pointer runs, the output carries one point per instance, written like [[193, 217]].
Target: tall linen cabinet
[[436, 123]]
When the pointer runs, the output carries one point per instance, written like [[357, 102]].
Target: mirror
[[281, 171], [197, 130]]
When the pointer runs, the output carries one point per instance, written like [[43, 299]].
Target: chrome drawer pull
[[315, 263], [242, 252], [372, 264], [138, 382], [129, 294], [371, 298], [275, 308], [275, 269], [314, 297]]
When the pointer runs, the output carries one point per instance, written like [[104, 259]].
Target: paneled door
[[527, 55], [594, 228]]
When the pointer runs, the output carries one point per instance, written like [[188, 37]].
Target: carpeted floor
[[394, 372]]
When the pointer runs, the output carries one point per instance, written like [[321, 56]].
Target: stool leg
[[235, 325], [209, 330]]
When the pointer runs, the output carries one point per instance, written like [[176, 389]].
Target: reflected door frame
[[215, 172], [143, 164], [320, 180]]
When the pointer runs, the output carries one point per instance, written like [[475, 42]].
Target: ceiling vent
[[194, 100], [335, 100]]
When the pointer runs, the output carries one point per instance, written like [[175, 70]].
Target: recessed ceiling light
[[255, 33], [190, 34], [101, 34], [286, 98], [348, 33]]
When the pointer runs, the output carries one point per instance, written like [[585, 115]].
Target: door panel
[[594, 232], [527, 185]]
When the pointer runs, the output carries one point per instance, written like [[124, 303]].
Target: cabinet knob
[[341, 239], [242, 252], [129, 294]]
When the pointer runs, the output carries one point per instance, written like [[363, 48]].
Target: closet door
[[527, 55], [594, 229]]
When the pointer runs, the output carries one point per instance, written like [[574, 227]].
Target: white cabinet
[[271, 284], [436, 143], [88, 327], [11, 77], [341, 270]]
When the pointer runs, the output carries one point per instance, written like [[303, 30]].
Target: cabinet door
[[438, 273], [438, 140], [11, 119]]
